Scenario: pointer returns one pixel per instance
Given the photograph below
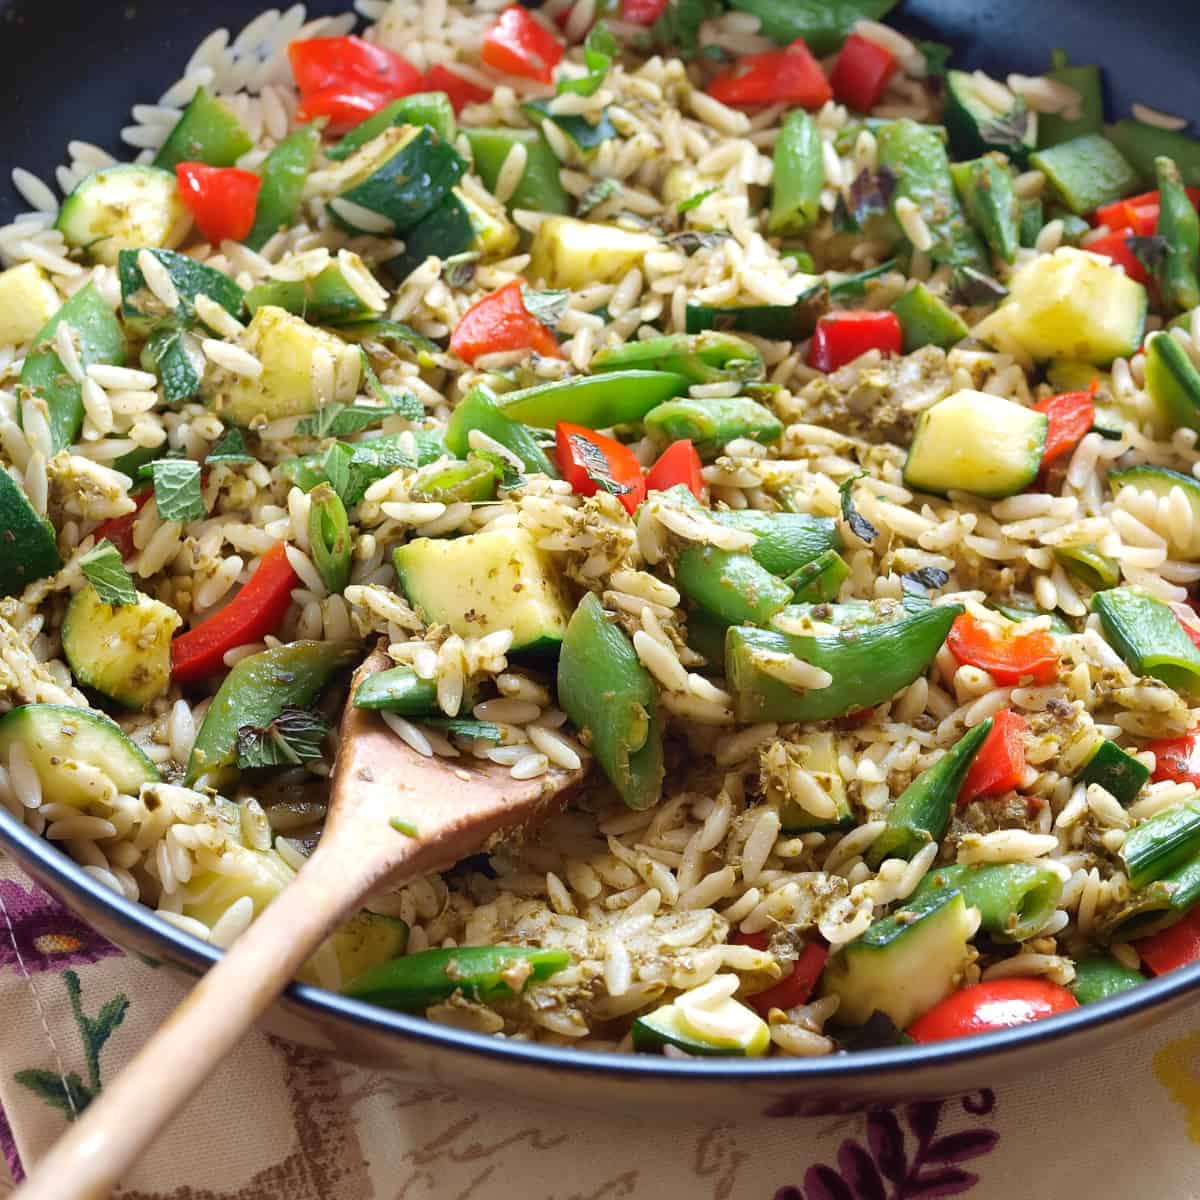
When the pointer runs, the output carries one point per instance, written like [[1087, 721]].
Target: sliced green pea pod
[[706, 635], [708, 357], [711, 423], [329, 537], [1166, 841], [473, 481], [482, 973], [477, 410], [1098, 976], [611, 700], [1179, 227], [1157, 906], [731, 586], [325, 299], [209, 132], [985, 188], [1093, 569], [1025, 608], [595, 401], [284, 173], [820, 580], [926, 320], [399, 690], [798, 175], [1015, 900], [1149, 637], [783, 542]]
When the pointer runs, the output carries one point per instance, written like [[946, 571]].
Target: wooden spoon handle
[[120, 1124]]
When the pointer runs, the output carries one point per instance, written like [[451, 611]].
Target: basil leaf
[[859, 525], [696, 200], [230, 449], [599, 50], [1149, 251], [105, 571], [547, 306], [177, 489], [294, 737]]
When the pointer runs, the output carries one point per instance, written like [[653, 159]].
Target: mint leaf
[[341, 420], [859, 525], [547, 306], [599, 50], [294, 737], [696, 200], [595, 195], [177, 489], [106, 572], [230, 449]]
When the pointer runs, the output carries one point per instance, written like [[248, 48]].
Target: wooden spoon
[[455, 805]]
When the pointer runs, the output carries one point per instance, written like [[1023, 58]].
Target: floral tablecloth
[[282, 1123]]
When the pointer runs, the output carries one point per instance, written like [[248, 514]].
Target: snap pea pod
[[483, 973], [284, 173], [706, 635], [985, 188], [399, 690], [1098, 976], [1015, 900], [329, 537], [1149, 637], [596, 401], [1141, 144], [539, 187], [209, 132], [708, 357], [1158, 846], [1179, 227], [731, 586], [1092, 568], [920, 163], [422, 108], [798, 176], [926, 320], [820, 580], [710, 423], [1086, 172], [922, 811], [448, 483], [1054, 127], [257, 690], [611, 699], [1025, 608], [98, 339], [1157, 906], [477, 410], [1031, 217], [783, 542], [322, 299], [869, 665]]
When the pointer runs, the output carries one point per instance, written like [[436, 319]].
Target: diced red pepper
[[589, 460], [678, 463], [1177, 759], [862, 72], [501, 322], [1007, 658], [1069, 417], [519, 45], [996, 1004], [222, 200], [347, 79], [795, 987], [254, 612], [119, 530], [841, 337], [461, 91], [790, 76], [642, 12], [1116, 247], [760, 940], [1000, 764], [1173, 947], [1137, 213]]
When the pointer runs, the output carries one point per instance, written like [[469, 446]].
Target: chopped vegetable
[[346, 79], [1172, 948], [329, 537], [223, 200], [797, 985], [1098, 976], [284, 173], [999, 766], [1069, 417], [790, 76], [501, 322], [996, 1004], [461, 91], [798, 175], [677, 465], [1177, 759], [1007, 657], [1147, 635], [861, 72], [1162, 843], [1015, 900], [590, 461], [710, 423], [1179, 227], [518, 44], [842, 337]]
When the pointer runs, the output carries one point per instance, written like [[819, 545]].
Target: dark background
[[73, 68]]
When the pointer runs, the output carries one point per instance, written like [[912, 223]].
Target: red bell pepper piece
[[996, 1004], [501, 322], [796, 987], [519, 45], [461, 91], [678, 463], [1116, 247], [841, 337], [1000, 764], [790, 76], [254, 612], [222, 200], [1173, 947], [1177, 759], [589, 460], [1069, 417], [1008, 658], [1137, 213], [862, 72], [347, 79], [642, 12], [119, 530]]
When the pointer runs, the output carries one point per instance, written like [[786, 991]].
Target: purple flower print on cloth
[[8, 1147], [36, 932], [886, 1168]]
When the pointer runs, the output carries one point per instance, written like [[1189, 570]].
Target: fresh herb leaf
[[678, 29], [595, 195], [924, 579], [1149, 251], [177, 489], [970, 286], [691, 240], [547, 306], [106, 572], [380, 330], [586, 135], [352, 468], [337, 469], [595, 465], [146, 470], [329, 537], [859, 525], [230, 449], [459, 269], [465, 728], [341, 420], [294, 737], [1007, 131], [599, 50], [871, 193], [695, 200], [937, 58]]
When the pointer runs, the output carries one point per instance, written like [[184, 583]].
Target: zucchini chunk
[[30, 543], [27, 301], [571, 254]]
